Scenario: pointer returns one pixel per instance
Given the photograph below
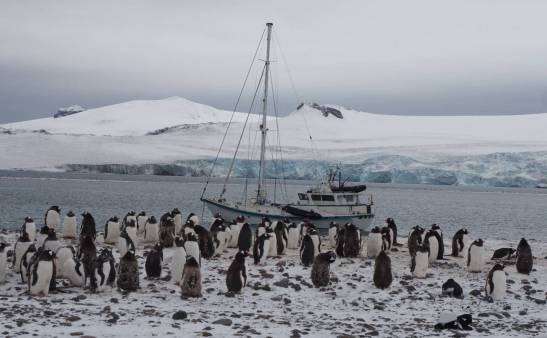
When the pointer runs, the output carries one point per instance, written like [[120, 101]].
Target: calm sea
[[488, 212]]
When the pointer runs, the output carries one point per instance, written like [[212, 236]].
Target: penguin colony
[[40, 259]]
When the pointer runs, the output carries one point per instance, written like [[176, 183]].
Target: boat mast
[[261, 191]]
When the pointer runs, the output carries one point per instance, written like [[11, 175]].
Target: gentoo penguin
[[179, 258], [205, 241], [29, 228], [87, 254], [459, 243], [88, 228], [128, 269], [272, 246], [130, 216], [261, 249], [69, 225], [192, 218], [21, 246], [386, 239], [189, 227], [304, 226], [141, 221], [51, 242], [260, 230], [221, 237], [154, 261], [293, 236], [440, 239], [105, 270], [235, 227], [503, 253], [320, 270], [452, 321], [496, 283], [3, 261], [415, 239], [475, 257], [340, 240], [351, 235], [452, 289], [307, 251], [245, 238], [73, 270], [42, 235], [525, 260], [62, 255], [151, 230], [191, 246], [167, 232], [420, 261], [112, 230], [236, 276], [333, 231], [41, 272], [393, 228], [190, 284], [218, 223], [382, 271], [281, 237], [177, 219], [374, 242], [52, 218], [314, 234], [131, 229], [432, 239], [25, 262]]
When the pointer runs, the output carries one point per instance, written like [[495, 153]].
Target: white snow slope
[[184, 131]]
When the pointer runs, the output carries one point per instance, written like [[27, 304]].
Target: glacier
[[176, 136]]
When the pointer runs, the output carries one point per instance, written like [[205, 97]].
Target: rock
[[475, 293], [223, 321], [72, 318], [230, 294], [283, 283], [180, 315], [79, 298], [114, 300]]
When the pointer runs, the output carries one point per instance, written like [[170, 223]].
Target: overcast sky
[[392, 57]]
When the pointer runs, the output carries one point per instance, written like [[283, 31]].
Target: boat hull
[[254, 217]]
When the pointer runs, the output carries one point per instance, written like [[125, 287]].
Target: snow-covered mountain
[[178, 136]]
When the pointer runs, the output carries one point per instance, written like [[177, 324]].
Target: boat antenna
[[261, 191]]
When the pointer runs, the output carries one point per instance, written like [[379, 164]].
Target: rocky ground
[[279, 300]]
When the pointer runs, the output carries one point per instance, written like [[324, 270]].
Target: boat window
[[329, 198], [349, 198], [303, 197], [316, 197]]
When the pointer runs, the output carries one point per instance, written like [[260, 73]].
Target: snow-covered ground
[[487, 150], [279, 300]]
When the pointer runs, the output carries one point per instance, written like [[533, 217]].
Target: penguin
[[420, 261], [503, 253], [25, 262], [452, 321], [193, 218], [105, 270], [191, 246], [261, 249], [496, 283], [340, 240], [525, 260], [382, 271], [21, 246], [320, 270], [314, 234], [218, 223], [452, 289], [29, 227], [304, 226], [63, 254], [69, 225], [351, 236], [281, 237], [386, 239], [131, 229], [128, 268], [177, 220], [459, 243], [41, 272], [439, 236], [141, 221], [125, 244], [52, 218], [87, 254], [260, 230], [245, 238], [235, 227], [88, 228], [475, 257], [179, 258], [374, 242], [236, 276], [432, 239], [293, 236], [73, 270], [51, 242], [415, 239], [272, 246], [307, 251], [393, 228], [112, 230], [3, 261], [190, 284], [130, 216], [167, 232], [189, 227], [42, 235], [154, 261], [205, 241], [221, 238], [151, 230], [333, 231]]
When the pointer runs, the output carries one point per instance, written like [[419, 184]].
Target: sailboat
[[329, 201]]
